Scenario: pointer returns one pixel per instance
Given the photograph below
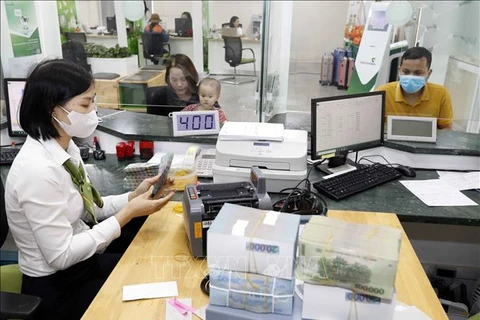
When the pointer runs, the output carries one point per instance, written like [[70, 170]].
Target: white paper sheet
[[251, 131], [403, 312], [150, 290], [437, 192], [201, 313], [461, 180], [172, 314]]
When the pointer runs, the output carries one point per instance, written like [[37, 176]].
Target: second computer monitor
[[13, 98], [183, 27], [111, 24], [348, 123]]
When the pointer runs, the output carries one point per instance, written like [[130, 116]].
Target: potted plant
[[113, 60]]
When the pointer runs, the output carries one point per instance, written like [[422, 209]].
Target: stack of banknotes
[[135, 173], [359, 257], [251, 291]]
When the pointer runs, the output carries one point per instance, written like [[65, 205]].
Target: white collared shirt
[[45, 210]]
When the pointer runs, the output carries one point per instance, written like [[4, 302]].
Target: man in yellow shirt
[[412, 95]]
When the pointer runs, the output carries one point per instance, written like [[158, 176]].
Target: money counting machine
[[202, 203]]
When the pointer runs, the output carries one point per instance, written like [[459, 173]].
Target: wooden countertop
[[249, 40], [175, 38], [106, 36], [160, 252]]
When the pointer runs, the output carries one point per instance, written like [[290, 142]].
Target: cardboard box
[[252, 292], [250, 240], [332, 303]]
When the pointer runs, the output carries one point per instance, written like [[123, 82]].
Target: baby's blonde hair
[[211, 82]]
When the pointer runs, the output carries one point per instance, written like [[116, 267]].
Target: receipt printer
[[284, 163], [202, 203]]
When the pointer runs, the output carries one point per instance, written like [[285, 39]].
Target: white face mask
[[81, 125]]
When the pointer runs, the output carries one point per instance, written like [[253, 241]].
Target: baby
[[208, 94]]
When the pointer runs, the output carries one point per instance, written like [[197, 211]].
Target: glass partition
[[236, 61], [300, 32], [450, 30]]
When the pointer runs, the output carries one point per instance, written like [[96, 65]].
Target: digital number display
[[196, 122]]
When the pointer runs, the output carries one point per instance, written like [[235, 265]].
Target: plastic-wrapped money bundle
[[359, 257], [137, 172], [252, 292]]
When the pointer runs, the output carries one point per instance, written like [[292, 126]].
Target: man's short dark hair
[[51, 83], [417, 53]]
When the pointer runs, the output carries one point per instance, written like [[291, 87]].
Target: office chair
[[233, 56], [77, 36], [153, 49], [75, 51], [13, 304]]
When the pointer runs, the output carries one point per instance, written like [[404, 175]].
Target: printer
[[202, 203], [283, 163]]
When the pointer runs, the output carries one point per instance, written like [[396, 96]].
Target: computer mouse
[[406, 171]]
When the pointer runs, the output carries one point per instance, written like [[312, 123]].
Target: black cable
[[299, 192], [377, 155], [288, 197]]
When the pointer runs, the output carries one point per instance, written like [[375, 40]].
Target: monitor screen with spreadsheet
[[13, 98], [348, 123]]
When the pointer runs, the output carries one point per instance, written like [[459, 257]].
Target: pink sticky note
[[180, 307]]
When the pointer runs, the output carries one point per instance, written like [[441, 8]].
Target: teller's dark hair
[[51, 83]]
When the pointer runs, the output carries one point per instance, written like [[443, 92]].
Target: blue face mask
[[412, 84]]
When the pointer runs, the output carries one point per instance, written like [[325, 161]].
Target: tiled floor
[[238, 101]]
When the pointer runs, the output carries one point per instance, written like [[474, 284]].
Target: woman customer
[[181, 89], [60, 223]]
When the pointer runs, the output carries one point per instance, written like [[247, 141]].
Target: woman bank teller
[[235, 23], [50, 203]]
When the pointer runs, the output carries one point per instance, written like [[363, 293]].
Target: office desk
[[106, 40], [181, 45], [160, 252], [177, 45], [216, 57]]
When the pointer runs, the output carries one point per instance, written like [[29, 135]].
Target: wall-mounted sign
[[22, 24]]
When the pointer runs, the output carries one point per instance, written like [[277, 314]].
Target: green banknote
[[354, 256]]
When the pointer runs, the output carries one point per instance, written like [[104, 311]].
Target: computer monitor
[[77, 37], [183, 27], [347, 123], [13, 97], [111, 24]]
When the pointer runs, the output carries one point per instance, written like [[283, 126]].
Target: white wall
[[89, 13], [169, 10], [317, 27], [47, 22], [222, 11]]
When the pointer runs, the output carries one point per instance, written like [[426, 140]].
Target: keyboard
[[7, 155], [356, 181]]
